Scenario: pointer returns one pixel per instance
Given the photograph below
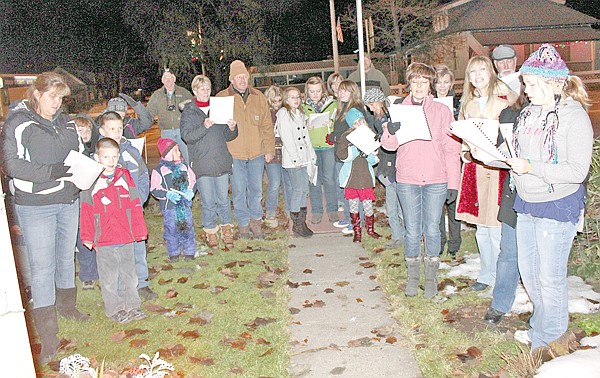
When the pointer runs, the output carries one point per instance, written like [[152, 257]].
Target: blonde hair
[[46, 82], [272, 92], [423, 70], [332, 78], [287, 93], [469, 90], [354, 102], [315, 80], [200, 81], [575, 88]]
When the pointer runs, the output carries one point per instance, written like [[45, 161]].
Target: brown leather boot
[[355, 219], [227, 235], [370, 226], [256, 228], [212, 237]]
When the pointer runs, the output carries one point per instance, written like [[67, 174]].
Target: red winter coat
[[111, 212]]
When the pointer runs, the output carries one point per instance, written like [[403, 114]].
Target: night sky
[[91, 35]]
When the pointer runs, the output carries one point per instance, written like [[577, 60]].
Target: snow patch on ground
[[580, 364]]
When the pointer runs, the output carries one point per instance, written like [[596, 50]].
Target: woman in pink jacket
[[425, 170]]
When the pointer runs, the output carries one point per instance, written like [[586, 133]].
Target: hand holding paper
[[221, 109], [84, 170], [413, 121], [364, 139]]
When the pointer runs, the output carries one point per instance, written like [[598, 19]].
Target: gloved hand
[[329, 139], [188, 194], [173, 196], [59, 170], [393, 127], [451, 195], [128, 99]]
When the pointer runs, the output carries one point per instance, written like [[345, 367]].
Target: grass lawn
[[214, 317]]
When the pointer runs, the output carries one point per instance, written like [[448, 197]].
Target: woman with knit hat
[[172, 184], [552, 140]]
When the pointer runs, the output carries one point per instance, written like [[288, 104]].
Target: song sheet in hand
[[413, 123]]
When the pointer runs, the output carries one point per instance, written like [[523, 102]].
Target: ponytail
[[575, 88]]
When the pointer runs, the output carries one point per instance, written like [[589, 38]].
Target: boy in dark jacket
[[172, 185], [111, 220]]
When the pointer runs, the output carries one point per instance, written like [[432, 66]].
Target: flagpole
[[334, 44], [361, 47]]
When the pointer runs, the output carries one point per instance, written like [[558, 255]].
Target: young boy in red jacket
[[111, 220]]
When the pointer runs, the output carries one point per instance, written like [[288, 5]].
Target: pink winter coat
[[423, 162]]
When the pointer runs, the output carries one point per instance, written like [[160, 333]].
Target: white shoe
[[523, 337], [348, 230]]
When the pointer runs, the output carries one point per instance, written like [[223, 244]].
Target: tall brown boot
[[66, 300], [370, 226], [46, 326], [355, 219]]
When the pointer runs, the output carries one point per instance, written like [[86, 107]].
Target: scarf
[[318, 106], [180, 183], [202, 104]]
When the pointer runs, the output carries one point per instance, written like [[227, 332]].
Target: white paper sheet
[[471, 132], [318, 121], [364, 139], [85, 170], [507, 133], [413, 124], [138, 143], [221, 109]]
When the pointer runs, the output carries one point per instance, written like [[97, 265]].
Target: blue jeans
[[50, 233], [394, 212], [88, 269], [214, 196], [246, 188], [300, 183], [175, 135], [488, 243], [544, 247], [507, 271], [175, 238], [277, 176], [422, 209], [326, 182]]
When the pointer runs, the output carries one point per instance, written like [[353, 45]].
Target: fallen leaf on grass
[[257, 322], [229, 273], [138, 343], [358, 300], [182, 280], [121, 335], [171, 351], [367, 264], [307, 271], [261, 341], [166, 267], [373, 277], [245, 335], [342, 283], [395, 265], [153, 307], [206, 361], [269, 351], [292, 246], [201, 286], [217, 289], [420, 346], [237, 370], [267, 294], [391, 339], [328, 290], [201, 319], [319, 254], [378, 250], [474, 352], [171, 293], [162, 281], [235, 343], [305, 283], [66, 344], [189, 334], [293, 285], [267, 279], [231, 264], [363, 258]]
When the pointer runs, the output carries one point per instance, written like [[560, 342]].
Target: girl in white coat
[[298, 156]]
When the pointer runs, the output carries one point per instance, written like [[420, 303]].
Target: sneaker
[[121, 317], [173, 258], [493, 316], [88, 285], [316, 218], [137, 314], [147, 294], [522, 337], [348, 230], [479, 286], [341, 224]]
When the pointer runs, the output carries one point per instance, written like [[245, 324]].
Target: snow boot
[[46, 326], [413, 266], [66, 300], [431, 269]]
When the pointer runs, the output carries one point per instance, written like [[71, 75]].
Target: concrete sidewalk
[[341, 326]]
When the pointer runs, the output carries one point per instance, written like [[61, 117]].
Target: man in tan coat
[[254, 145]]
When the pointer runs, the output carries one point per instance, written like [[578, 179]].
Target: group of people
[[526, 211]]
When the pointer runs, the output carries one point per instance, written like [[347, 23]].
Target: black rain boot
[[307, 230], [46, 326], [65, 304]]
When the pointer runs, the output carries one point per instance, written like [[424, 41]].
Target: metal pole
[[334, 44], [361, 47]]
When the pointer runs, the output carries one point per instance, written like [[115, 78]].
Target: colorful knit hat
[[353, 115], [165, 146], [547, 63], [374, 95]]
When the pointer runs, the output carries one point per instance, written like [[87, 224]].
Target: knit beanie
[[165, 146], [547, 63], [116, 104], [374, 95], [235, 68], [353, 115]]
